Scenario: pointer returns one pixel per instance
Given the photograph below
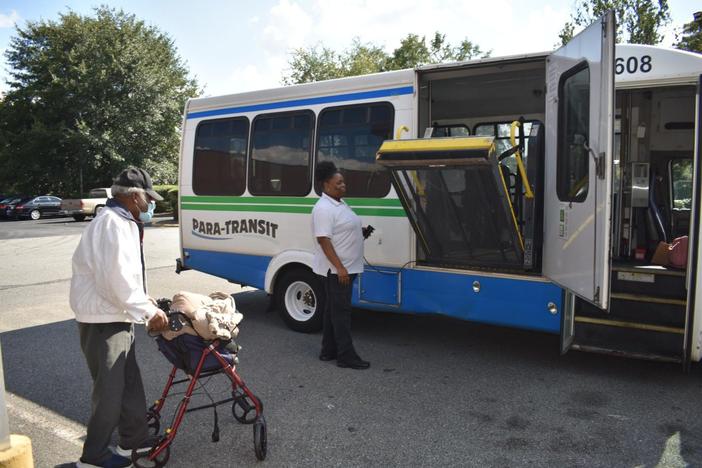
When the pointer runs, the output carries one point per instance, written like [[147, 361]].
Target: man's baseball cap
[[137, 177]]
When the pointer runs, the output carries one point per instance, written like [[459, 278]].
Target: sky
[[235, 46]]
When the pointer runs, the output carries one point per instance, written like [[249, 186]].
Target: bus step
[[628, 338], [650, 313], [642, 298], [615, 352], [633, 325], [645, 280]]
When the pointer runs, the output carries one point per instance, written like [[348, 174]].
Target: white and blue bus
[[521, 191]]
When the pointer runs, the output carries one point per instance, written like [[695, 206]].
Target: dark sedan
[[6, 203], [34, 207]]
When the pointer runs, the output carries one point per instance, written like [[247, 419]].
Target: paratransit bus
[[528, 191]]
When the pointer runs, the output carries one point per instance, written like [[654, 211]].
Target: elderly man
[[108, 295]]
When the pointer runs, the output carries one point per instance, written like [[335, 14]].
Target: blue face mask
[[145, 216]]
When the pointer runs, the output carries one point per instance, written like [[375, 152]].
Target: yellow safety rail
[[520, 164]]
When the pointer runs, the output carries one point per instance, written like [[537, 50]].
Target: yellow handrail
[[518, 156], [403, 128]]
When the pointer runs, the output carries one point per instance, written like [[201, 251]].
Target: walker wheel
[[260, 438], [244, 409], [141, 460], [153, 420]]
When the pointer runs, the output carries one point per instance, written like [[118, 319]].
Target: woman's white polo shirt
[[336, 221]]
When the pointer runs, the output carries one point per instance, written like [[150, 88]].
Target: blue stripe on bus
[[305, 102], [249, 270], [510, 302]]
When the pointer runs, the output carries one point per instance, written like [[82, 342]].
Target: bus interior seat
[[655, 219]]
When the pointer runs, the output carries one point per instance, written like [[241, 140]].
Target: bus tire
[[299, 298]]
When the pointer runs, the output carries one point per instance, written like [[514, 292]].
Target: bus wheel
[[299, 297]]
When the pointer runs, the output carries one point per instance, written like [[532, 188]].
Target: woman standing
[[338, 259]]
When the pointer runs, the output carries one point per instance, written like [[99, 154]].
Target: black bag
[[184, 352]]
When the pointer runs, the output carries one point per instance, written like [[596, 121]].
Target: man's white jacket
[[108, 276]]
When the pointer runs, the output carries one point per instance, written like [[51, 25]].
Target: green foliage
[[639, 19], [166, 205], [89, 96], [172, 197], [691, 37], [321, 63]]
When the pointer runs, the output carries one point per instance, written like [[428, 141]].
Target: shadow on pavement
[[463, 386]]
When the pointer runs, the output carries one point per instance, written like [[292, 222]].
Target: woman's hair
[[325, 171]]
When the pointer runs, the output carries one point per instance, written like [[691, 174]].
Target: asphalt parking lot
[[46, 227], [439, 392]]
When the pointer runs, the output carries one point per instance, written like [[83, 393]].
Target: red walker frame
[[158, 455]]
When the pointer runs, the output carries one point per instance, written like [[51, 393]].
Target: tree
[[88, 97], [321, 63], [318, 64], [640, 19], [691, 35]]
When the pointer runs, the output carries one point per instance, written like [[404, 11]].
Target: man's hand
[[158, 322]]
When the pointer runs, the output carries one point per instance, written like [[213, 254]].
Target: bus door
[[693, 325], [578, 167]]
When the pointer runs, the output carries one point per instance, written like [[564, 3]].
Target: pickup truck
[[80, 208]]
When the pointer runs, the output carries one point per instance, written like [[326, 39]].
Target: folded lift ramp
[[457, 200]]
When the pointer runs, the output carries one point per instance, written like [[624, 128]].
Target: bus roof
[[355, 84], [667, 66]]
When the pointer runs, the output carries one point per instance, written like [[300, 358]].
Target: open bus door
[[693, 329], [578, 167]]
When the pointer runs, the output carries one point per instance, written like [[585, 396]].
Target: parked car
[[35, 207], [80, 208], [6, 203]]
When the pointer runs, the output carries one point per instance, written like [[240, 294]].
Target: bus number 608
[[633, 64]]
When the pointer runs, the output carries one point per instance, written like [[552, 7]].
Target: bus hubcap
[[300, 301]]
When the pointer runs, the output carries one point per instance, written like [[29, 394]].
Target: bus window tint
[[681, 177], [349, 137], [572, 159], [280, 154], [501, 132], [219, 163], [443, 131]]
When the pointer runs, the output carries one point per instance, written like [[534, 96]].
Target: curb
[[19, 455]]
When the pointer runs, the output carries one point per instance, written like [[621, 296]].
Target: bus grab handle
[[518, 157]]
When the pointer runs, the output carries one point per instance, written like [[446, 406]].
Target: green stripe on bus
[[286, 209], [389, 202], [250, 200], [261, 208], [379, 212]]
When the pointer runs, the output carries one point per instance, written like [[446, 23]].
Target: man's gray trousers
[[118, 399]]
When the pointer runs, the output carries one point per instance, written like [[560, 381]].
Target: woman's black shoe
[[327, 357], [357, 363]]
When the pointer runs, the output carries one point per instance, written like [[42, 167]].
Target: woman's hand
[[343, 275]]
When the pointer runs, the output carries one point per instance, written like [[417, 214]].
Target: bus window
[[681, 178], [219, 162], [457, 130], [501, 130], [572, 160], [349, 137], [280, 154]]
